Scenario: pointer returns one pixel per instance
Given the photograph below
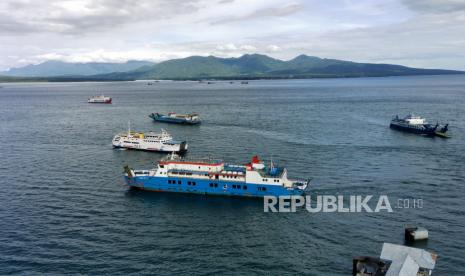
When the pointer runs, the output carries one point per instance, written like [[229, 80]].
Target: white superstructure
[[254, 172], [415, 120]]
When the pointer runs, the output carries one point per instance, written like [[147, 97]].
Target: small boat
[[99, 99], [442, 132], [214, 177], [418, 125], [174, 118], [151, 141], [244, 82]]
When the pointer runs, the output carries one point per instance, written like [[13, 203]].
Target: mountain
[[60, 68], [250, 66], [261, 66]]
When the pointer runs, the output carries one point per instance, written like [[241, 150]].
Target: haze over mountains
[[249, 66], [59, 68]]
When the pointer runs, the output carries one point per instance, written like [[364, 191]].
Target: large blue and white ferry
[[214, 177]]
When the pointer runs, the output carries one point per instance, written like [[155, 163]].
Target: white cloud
[[411, 32], [273, 48]]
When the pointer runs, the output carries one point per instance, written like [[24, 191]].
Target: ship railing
[[175, 157]]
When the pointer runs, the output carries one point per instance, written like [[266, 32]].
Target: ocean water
[[64, 208]]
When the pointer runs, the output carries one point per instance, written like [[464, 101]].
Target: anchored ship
[[214, 177], [418, 125], [150, 141], [174, 118], [99, 99]]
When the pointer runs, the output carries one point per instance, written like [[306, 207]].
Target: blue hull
[[166, 119], [208, 187], [421, 131]]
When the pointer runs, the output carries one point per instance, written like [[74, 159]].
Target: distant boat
[[244, 82], [418, 125], [150, 141], [99, 99], [174, 118]]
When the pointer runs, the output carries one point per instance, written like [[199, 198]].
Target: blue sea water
[[64, 208]]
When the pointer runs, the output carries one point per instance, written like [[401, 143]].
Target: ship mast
[[129, 128]]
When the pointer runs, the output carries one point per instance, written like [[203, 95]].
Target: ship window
[[193, 183], [234, 186], [238, 186], [211, 184], [264, 189], [216, 185], [179, 181], [162, 166], [244, 187], [188, 183]]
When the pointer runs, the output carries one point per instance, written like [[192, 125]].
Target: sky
[[417, 33]]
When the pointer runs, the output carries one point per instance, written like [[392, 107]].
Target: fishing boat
[[214, 177], [418, 125], [150, 141], [99, 99], [174, 118]]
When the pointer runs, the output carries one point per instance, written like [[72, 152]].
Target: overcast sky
[[420, 33]]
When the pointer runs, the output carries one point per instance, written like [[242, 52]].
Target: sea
[[65, 208]]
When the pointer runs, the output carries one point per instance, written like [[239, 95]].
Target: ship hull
[[169, 120], [208, 187], [181, 148], [100, 102], [415, 130]]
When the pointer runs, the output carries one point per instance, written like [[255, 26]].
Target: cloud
[[435, 6], [273, 48], [278, 11], [231, 47], [81, 16], [424, 33]]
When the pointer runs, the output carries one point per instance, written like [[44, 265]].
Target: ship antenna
[[129, 128]]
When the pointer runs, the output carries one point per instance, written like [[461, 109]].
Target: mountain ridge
[[252, 66], [53, 68]]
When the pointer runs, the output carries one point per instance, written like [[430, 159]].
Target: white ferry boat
[[207, 176], [150, 141], [99, 99]]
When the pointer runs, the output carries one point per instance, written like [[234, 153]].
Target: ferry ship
[[151, 141], [418, 125], [174, 118], [99, 99], [214, 177]]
